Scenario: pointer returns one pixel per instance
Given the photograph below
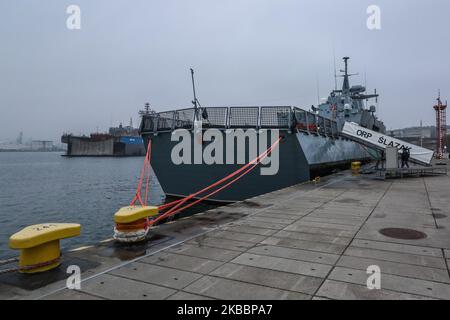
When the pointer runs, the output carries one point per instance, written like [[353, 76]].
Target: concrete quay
[[304, 242]]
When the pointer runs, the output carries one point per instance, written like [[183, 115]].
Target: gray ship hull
[[320, 151], [299, 155]]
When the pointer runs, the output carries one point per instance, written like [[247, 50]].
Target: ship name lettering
[[364, 134]]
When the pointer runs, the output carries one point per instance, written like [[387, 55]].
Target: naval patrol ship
[[311, 142]]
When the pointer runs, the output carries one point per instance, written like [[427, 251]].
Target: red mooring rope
[[145, 172], [177, 206]]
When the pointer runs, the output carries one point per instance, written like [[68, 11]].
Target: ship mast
[[346, 84], [195, 101]]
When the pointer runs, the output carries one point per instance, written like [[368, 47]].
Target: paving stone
[[205, 252], [405, 258], [312, 237], [220, 288], [297, 212], [406, 270], [327, 225], [230, 235], [250, 230], [347, 222], [259, 224], [180, 295], [396, 247], [221, 243], [71, 295], [405, 222], [269, 278], [447, 253], [158, 275], [347, 291], [183, 262], [345, 209], [284, 265], [334, 215], [394, 283], [271, 214], [306, 245], [295, 254], [117, 288], [273, 219], [320, 230]]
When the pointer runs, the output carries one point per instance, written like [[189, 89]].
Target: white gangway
[[380, 141]]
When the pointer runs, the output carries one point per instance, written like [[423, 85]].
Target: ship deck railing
[[265, 117]]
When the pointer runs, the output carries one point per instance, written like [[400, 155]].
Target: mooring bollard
[[356, 168], [132, 223], [316, 180], [39, 245]]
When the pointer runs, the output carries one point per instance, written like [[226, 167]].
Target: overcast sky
[[245, 52]]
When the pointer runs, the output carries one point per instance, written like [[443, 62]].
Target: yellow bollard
[[356, 168], [39, 245], [132, 224]]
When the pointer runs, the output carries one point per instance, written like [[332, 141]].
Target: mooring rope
[[8, 261], [145, 174], [177, 205], [26, 268]]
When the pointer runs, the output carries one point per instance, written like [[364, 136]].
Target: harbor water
[[46, 187]]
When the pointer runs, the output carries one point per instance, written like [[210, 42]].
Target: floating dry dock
[[305, 242]]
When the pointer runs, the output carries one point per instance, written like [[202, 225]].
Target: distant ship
[[312, 143], [119, 142]]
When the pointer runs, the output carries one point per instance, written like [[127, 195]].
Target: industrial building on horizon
[[29, 146]]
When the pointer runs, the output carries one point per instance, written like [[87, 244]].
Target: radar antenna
[[346, 75], [147, 110]]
